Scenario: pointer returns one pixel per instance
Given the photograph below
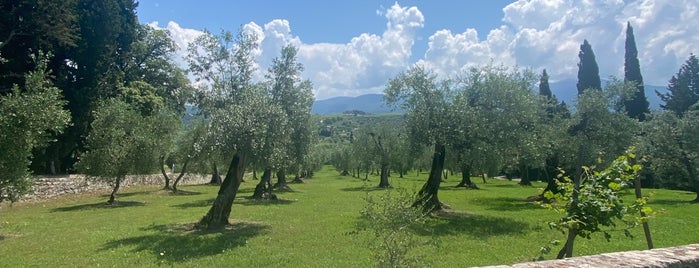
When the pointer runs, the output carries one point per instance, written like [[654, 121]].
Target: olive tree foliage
[[496, 118], [293, 94], [428, 105], [596, 124], [240, 111], [30, 116], [124, 141], [671, 145]]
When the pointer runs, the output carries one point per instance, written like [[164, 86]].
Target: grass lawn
[[306, 228]]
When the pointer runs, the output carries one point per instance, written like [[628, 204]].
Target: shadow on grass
[[262, 202], [196, 204], [101, 205], [179, 242], [366, 188], [180, 192], [671, 202], [446, 223], [129, 194], [505, 203]]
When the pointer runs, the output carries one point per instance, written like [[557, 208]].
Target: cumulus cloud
[[547, 34], [182, 38], [365, 63], [534, 33]]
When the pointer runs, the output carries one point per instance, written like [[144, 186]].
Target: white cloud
[[535, 33], [547, 34], [181, 36], [365, 63]]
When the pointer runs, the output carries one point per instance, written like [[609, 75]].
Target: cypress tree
[[637, 104], [588, 72], [544, 88]]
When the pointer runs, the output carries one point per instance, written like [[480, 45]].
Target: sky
[[350, 48]]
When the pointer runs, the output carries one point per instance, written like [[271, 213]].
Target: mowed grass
[[307, 228]]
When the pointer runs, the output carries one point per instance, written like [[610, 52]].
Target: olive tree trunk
[[466, 177], [281, 179], [383, 182], [221, 209], [215, 176], [264, 186], [179, 177], [112, 197], [427, 197], [162, 170]]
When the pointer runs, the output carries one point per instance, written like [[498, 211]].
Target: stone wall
[[51, 186], [674, 257]]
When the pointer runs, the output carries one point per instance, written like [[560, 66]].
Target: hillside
[[369, 103], [565, 90]]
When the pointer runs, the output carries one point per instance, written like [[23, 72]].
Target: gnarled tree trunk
[[221, 209], [112, 197], [281, 179], [264, 187], [179, 177], [383, 182], [215, 176], [466, 177], [524, 178], [427, 197], [162, 170]]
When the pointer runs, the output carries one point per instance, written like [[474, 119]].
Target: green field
[[305, 228]]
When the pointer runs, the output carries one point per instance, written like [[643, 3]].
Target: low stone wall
[[674, 257], [51, 186]]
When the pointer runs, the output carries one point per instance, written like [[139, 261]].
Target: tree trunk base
[[282, 187], [472, 186], [298, 180]]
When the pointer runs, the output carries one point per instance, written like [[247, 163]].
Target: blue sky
[[351, 48]]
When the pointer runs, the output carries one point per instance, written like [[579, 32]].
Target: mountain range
[[564, 90]]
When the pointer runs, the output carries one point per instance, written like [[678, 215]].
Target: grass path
[[306, 228]]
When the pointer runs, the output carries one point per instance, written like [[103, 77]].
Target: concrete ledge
[[673, 257]]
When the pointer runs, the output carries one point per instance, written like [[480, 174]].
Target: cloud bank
[[534, 33]]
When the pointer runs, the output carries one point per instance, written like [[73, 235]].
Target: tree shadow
[[101, 205], [366, 188], [129, 194], [181, 192], [505, 203], [196, 204], [262, 202], [179, 242], [671, 202], [449, 222]]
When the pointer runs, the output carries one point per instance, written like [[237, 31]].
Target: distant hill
[[566, 90], [369, 103]]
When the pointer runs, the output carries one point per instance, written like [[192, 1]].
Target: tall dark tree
[[588, 72], [636, 105], [29, 26], [544, 88], [90, 71], [683, 89]]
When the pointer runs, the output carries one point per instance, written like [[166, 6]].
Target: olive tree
[[29, 118], [495, 119], [427, 102], [239, 110], [123, 141]]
